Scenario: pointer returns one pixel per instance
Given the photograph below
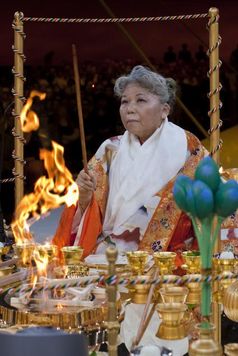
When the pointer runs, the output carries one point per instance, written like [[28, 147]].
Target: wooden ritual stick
[[144, 319], [79, 107]]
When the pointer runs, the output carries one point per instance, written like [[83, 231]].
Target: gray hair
[[155, 83]]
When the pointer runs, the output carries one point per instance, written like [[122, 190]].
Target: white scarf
[[138, 171]]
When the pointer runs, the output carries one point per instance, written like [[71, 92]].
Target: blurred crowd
[[58, 113]]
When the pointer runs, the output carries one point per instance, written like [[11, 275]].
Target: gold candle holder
[[173, 294], [231, 349], [25, 253], [137, 261], [165, 261], [72, 255], [192, 262], [172, 326]]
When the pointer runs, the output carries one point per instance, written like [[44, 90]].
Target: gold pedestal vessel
[[173, 294], [231, 349], [192, 262], [25, 253], [224, 267], [172, 325], [3, 251], [50, 250], [72, 255], [137, 261], [165, 261], [140, 292], [195, 290], [205, 345]]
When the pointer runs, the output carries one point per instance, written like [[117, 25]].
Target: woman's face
[[141, 111]]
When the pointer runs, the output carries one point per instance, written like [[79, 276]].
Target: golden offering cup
[[172, 326], [173, 294], [50, 250], [25, 253], [72, 255], [192, 261], [137, 261], [165, 261], [4, 250]]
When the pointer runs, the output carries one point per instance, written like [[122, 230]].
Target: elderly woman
[[126, 196]]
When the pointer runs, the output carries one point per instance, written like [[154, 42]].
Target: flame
[[29, 119], [49, 191], [41, 260]]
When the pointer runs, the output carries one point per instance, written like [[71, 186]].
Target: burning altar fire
[[47, 289]]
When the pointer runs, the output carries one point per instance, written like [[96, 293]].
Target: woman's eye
[[123, 102], [141, 100]]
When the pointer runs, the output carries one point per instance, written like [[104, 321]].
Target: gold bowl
[[72, 255], [173, 294], [165, 261], [25, 253], [137, 261], [172, 326], [50, 250], [4, 250], [192, 261]]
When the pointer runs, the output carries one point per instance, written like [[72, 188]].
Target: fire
[[29, 119], [50, 191]]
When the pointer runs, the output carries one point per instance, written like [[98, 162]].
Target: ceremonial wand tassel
[[79, 107]]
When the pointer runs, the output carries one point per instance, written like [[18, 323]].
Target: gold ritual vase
[[50, 250], [137, 261], [25, 253], [173, 294], [140, 292], [165, 261], [3, 251], [205, 345], [192, 262], [72, 255], [224, 267], [172, 326], [231, 349], [195, 289]]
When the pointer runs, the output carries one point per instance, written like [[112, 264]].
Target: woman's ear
[[165, 111]]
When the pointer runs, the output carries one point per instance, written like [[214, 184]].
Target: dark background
[[97, 41]]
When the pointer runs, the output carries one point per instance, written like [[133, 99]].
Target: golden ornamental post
[[112, 320], [17, 70], [215, 124]]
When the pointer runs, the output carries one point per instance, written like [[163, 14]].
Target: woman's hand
[[87, 185]]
